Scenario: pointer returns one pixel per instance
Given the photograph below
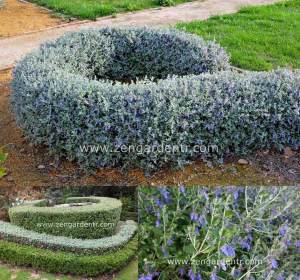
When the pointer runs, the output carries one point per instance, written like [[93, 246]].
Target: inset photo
[[69, 233], [224, 233]]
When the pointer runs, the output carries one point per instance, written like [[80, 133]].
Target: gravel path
[[13, 48]]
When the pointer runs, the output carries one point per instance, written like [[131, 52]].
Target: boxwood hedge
[[87, 222], [145, 98], [62, 262], [20, 235]]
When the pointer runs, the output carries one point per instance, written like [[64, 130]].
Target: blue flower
[[159, 203], [297, 244], [157, 223], [280, 277], [197, 230], [228, 251], [181, 189], [199, 277], [170, 242], [164, 251], [192, 275], [236, 273], [283, 229], [213, 276], [223, 265], [274, 263], [245, 244], [181, 271], [194, 216], [202, 221]]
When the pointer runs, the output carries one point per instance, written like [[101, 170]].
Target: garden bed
[[17, 18]]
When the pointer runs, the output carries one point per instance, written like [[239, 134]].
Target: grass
[[91, 9], [257, 38], [8, 272], [128, 273]]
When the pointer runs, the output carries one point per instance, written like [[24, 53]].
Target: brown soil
[[17, 18], [264, 168]]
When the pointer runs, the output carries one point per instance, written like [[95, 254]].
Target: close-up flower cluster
[[219, 233]]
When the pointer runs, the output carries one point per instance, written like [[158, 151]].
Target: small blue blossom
[[297, 244], [181, 271], [192, 275], [194, 216], [170, 242], [181, 189], [199, 277], [274, 263], [213, 276], [223, 265], [228, 251], [280, 277], [283, 229]]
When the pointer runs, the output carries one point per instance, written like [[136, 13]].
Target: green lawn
[[128, 273], [7, 272], [257, 38], [91, 9]]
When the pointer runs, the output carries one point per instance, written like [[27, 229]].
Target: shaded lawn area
[[257, 38], [91, 9], [7, 272]]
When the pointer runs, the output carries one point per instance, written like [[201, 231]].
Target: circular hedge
[[145, 98], [93, 221]]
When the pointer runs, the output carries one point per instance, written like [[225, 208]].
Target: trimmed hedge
[[20, 235], [87, 222], [62, 262], [67, 96]]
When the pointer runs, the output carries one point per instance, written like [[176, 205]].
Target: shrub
[[61, 262], [20, 235], [166, 3], [88, 221], [68, 95], [3, 157], [220, 233]]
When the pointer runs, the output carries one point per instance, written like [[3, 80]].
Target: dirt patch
[[17, 18], [30, 166]]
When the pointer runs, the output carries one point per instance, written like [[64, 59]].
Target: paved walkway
[[12, 49]]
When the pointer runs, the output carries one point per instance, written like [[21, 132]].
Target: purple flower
[[274, 263], [170, 242], [202, 221], [236, 273], [157, 223], [181, 271], [145, 277], [199, 277], [228, 251], [194, 216], [165, 193], [197, 230], [192, 275], [159, 203], [218, 192], [245, 244], [213, 276], [236, 194], [283, 229], [164, 251], [223, 265], [297, 244], [181, 189], [280, 277]]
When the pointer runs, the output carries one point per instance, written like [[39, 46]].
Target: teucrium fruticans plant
[[223, 233], [74, 92]]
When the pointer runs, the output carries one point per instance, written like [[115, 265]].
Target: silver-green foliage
[[18, 234], [74, 94]]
